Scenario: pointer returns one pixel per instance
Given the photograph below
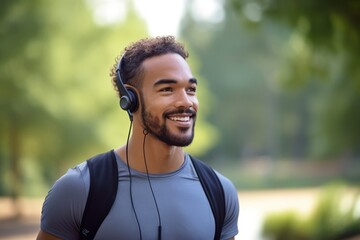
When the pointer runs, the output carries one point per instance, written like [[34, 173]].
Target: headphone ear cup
[[129, 99], [134, 103], [129, 102]]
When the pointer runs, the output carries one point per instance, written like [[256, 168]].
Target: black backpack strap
[[214, 192], [102, 193]]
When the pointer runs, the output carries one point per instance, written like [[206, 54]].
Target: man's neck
[[159, 157]]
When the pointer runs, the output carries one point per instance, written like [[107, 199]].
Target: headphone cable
[[130, 179], [150, 185]]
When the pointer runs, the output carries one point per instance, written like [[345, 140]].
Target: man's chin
[[181, 142]]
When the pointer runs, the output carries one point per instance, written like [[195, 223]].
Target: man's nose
[[183, 99]]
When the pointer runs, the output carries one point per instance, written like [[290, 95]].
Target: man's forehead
[[164, 61], [168, 68]]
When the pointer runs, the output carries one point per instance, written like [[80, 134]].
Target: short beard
[[152, 126]]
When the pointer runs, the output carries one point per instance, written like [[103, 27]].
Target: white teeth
[[180, 119]]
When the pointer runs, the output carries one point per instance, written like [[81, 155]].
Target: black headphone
[[128, 97], [129, 103]]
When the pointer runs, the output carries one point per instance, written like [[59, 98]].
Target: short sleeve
[[230, 227], [63, 206]]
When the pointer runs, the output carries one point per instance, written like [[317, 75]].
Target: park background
[[279, 91]]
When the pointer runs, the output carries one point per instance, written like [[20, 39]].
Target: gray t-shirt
[[184, 209]]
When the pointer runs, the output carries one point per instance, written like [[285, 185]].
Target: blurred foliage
[[58, 106], [285, 226], [285, 78], [335, 216], [323, 48], [278, 80], [257, 174], [235, 69]]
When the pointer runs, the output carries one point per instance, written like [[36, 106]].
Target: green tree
[[283, 76], [323, 50], [16, 62], [58, 105], [240, 65], [54, 106]]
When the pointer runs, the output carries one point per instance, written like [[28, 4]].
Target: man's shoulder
[[77, 176], [225, 181], [74, 179]]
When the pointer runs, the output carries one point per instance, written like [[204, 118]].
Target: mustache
[[181, 111]]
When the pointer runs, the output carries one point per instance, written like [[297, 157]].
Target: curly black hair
[[136, 53]]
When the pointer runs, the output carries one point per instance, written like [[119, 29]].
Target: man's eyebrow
[[173, 81], [193, 80], [165, 81]]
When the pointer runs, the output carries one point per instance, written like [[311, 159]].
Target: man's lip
[[181, 113], [183, 121], [181, 118]]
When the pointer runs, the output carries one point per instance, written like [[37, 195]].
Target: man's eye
[[192, 89], [167, 89]]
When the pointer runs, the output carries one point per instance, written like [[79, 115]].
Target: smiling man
[[161, 191]]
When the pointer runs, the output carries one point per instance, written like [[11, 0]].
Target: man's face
[[168, 99]]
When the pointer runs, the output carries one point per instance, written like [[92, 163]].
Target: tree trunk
[[14, 155]]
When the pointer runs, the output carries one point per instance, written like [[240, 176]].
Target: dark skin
[[167, 85]]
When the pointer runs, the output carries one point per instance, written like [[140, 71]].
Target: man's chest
[[183, 212]]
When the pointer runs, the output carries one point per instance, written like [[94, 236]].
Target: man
[[157, 184]]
